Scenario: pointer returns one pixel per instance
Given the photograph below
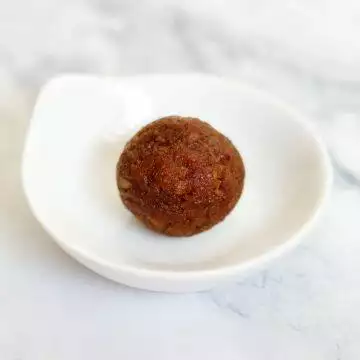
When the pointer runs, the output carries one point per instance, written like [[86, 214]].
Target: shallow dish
[[78, 129]]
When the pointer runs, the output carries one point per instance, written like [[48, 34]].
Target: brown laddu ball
[[180, 176]]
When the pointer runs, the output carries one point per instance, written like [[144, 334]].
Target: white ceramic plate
[[78, 129]]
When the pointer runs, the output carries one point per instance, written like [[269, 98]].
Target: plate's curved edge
[[194, 276]]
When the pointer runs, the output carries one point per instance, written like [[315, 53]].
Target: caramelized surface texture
[[179, 176]]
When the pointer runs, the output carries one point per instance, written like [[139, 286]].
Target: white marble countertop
[[304, 305]]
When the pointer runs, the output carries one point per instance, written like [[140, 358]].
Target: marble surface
[[304, 305]]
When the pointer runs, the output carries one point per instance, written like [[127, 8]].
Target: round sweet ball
[[179, 176]]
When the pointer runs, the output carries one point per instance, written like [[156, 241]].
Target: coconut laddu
[[180, 176]]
